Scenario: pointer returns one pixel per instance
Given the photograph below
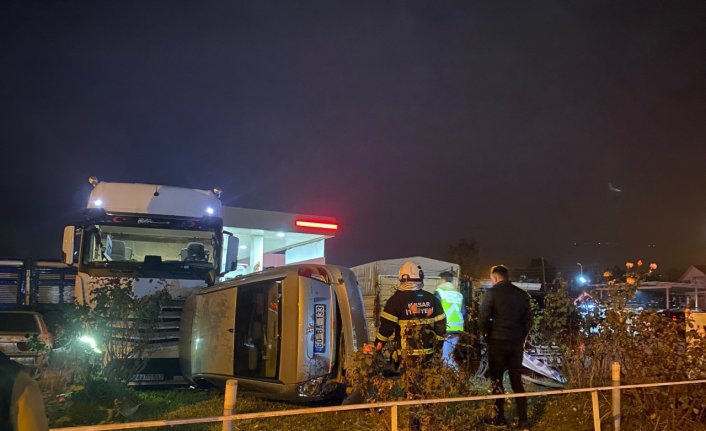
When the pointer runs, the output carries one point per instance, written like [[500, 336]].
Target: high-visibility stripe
[[439, 337], [440, 317], [388, 316], [419, 352], [419, 322], [416, 322], [381, 337]]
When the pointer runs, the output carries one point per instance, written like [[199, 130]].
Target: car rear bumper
[[29, 361]]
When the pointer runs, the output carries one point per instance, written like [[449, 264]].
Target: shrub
[[649, 347], [124, 324], [374, 377]]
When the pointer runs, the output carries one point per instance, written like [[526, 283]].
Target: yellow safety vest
[[452, 301]]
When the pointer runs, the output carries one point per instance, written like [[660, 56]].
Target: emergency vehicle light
[[316, 225]]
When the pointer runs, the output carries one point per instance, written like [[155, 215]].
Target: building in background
[[271, 238]]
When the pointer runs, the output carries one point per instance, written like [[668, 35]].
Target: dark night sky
[[413, 123]]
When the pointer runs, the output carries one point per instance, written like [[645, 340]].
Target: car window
[[18, 322]]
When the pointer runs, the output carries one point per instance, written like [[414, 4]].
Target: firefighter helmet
[[410, 271]]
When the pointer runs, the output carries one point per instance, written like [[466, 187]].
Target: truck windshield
[[124, 244]]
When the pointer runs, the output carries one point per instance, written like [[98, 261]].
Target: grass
[[94, 404], [194, 403]]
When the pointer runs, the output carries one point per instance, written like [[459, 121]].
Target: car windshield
[[124, 244], [18, 322]]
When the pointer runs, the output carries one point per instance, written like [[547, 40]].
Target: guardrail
[[392, 405]]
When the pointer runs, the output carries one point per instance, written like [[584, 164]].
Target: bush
[[373, 376], [124, 324], [649, 347]]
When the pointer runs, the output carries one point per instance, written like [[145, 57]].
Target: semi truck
[[155, 237]]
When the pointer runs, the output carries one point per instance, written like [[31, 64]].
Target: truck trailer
[[380, 279]]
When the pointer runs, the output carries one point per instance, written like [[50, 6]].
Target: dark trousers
[[505, 355]]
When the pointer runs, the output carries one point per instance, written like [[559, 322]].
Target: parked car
[[22, 336], [676, 314]]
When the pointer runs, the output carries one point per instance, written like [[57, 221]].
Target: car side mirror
[[232, 254], [67, 246]]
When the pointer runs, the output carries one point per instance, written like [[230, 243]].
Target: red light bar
[[316, 225]]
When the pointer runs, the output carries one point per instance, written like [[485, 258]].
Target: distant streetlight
[[581, 279]]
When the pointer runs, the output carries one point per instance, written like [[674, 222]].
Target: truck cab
[[154, 237]]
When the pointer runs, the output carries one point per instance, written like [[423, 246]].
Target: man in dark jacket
[[21, 405], [505, 320]]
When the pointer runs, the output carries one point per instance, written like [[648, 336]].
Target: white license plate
[[320, 328]]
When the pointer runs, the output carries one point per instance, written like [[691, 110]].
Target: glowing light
[[280, 234], [98, 202], [91, 342], [582, 279], [209, 210], [243, 247], [316, 225]]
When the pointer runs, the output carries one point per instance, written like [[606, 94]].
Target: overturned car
[[285, 333]]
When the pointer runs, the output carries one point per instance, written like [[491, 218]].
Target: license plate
[[146, 377], [320, 328]]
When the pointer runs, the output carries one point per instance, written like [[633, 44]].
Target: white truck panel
[[154, 200]]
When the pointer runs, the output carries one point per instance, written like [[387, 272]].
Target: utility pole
[[544, 275]]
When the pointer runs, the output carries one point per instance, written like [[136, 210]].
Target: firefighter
[[414, 319], [452, 302]]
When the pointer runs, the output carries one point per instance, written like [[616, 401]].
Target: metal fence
[[229, 420]]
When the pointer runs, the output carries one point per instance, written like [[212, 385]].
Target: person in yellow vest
[[452, 302]]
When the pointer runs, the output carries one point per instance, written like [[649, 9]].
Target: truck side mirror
[[232, 254], [67, 246]]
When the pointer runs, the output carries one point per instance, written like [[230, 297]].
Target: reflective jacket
[[415, 320], [452, 302]]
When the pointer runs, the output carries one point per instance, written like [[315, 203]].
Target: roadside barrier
[[231, 419]]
